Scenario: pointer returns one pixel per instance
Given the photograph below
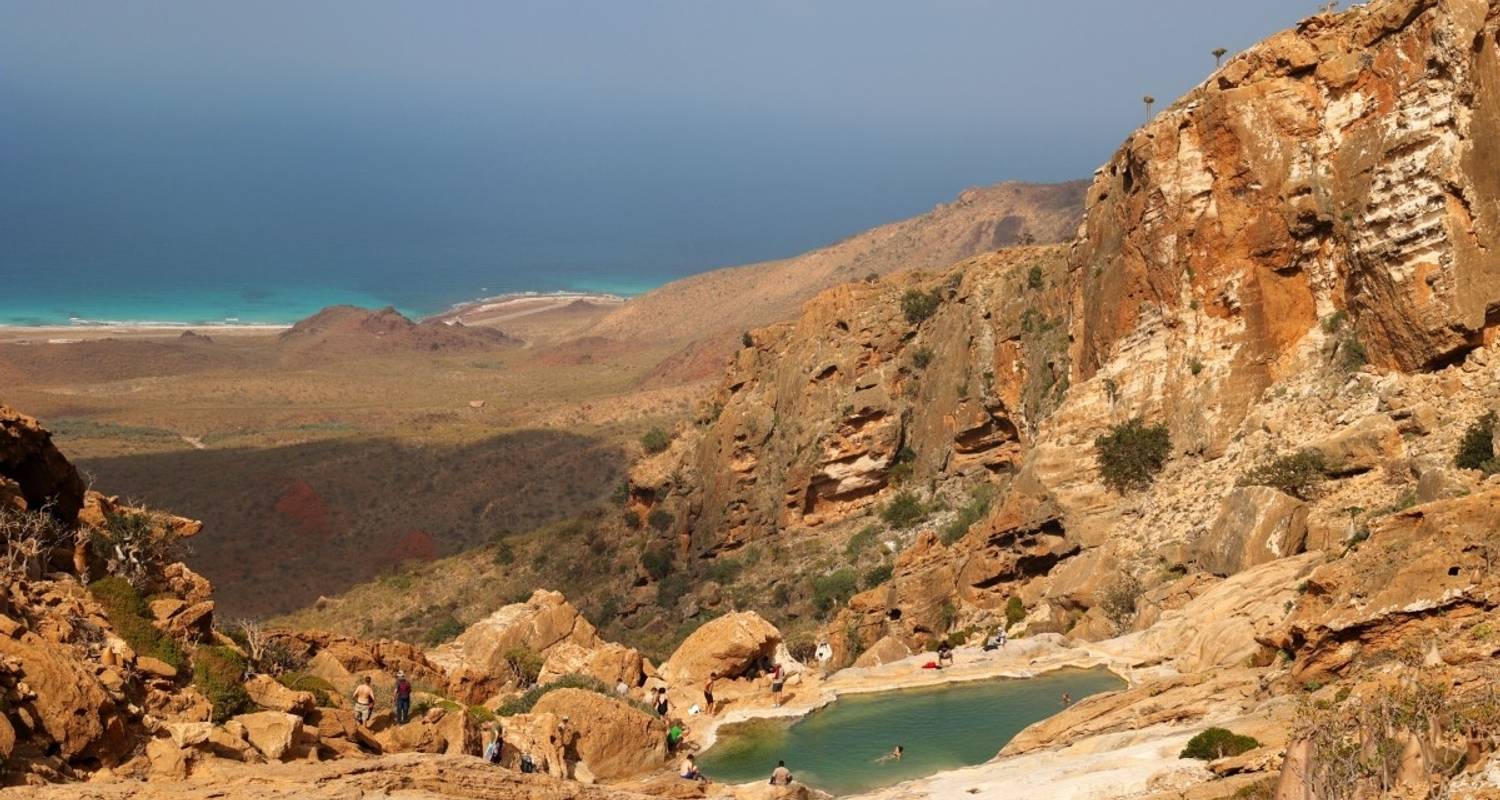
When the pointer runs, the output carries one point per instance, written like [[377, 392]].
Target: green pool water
[[942, 728]]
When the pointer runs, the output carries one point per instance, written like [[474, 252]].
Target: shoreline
[[1043, 655], [490, 309]]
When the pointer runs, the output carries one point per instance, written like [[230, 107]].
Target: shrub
[[747, 340], [725, 571], [904, 510], [950, 615], [862, 541], [1298, 474], [660, 519], [527, 700], [671, 589], [921, 357], [1351, 353], [832, 589], [918, 305], [1034, 278], [216, 674], [876, 575], [655, 440], [131, 547], [129, 615], [658, 563], [631, 519], [525, 665], [505, 555], [1477, 448], [1131, 454], [801, 647], [1196, 367], [445, 629], [1217, 743], [1335, 321], [322, 691], [853, 643], [969, 513], [1015, 611], [1119, 600]]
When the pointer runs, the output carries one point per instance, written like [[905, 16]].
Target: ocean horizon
[[241, 304]]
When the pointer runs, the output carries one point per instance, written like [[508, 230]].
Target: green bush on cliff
[[1131, 454], [904, 510], [918, 305], [969, 513], [1217, 743], [655, 440], [129, 615], [660, 519], [876, 575], [1298, 474], [1477, 449], [832, 589], [216, 674], [1015, 610]]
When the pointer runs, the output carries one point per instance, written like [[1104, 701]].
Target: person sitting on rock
[[781, 776], [996, 640], [403, 698], [689, 770], [364, 701], [675, 734]]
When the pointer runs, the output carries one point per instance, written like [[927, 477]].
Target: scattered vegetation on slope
[[1131, 454], [1298, 474]]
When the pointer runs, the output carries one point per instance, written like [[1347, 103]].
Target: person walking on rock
[[364, 701], [659, 702], [403, 698], [778, 680]]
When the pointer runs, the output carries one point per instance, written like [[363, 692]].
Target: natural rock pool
[[941, 728]]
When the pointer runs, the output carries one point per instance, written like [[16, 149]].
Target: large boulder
[[1256, 524], [476, 659], [726, 646], [884, 651], [613, 739], [1366, 444], [270, 732], [440, 730], [70, 707], [610, 664], [268, 693]]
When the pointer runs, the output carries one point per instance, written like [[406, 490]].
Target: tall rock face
[[33, 474], [1328, 198], [1351, 164], [816, 418]]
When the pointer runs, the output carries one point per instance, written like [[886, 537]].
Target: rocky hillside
[[706, 313], [350, 332], [1271, 337]]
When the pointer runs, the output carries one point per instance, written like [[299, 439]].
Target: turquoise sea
[[34, 302]]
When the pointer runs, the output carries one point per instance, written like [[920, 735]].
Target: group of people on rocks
[[364, 700]]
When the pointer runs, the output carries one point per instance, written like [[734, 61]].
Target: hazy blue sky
[[638, 138]]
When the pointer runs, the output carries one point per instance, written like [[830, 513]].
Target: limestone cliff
[[1325, 203]]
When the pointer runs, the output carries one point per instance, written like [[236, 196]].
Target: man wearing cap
[[403, 698]]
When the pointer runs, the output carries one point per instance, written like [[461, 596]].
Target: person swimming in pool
[[894, 755]]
